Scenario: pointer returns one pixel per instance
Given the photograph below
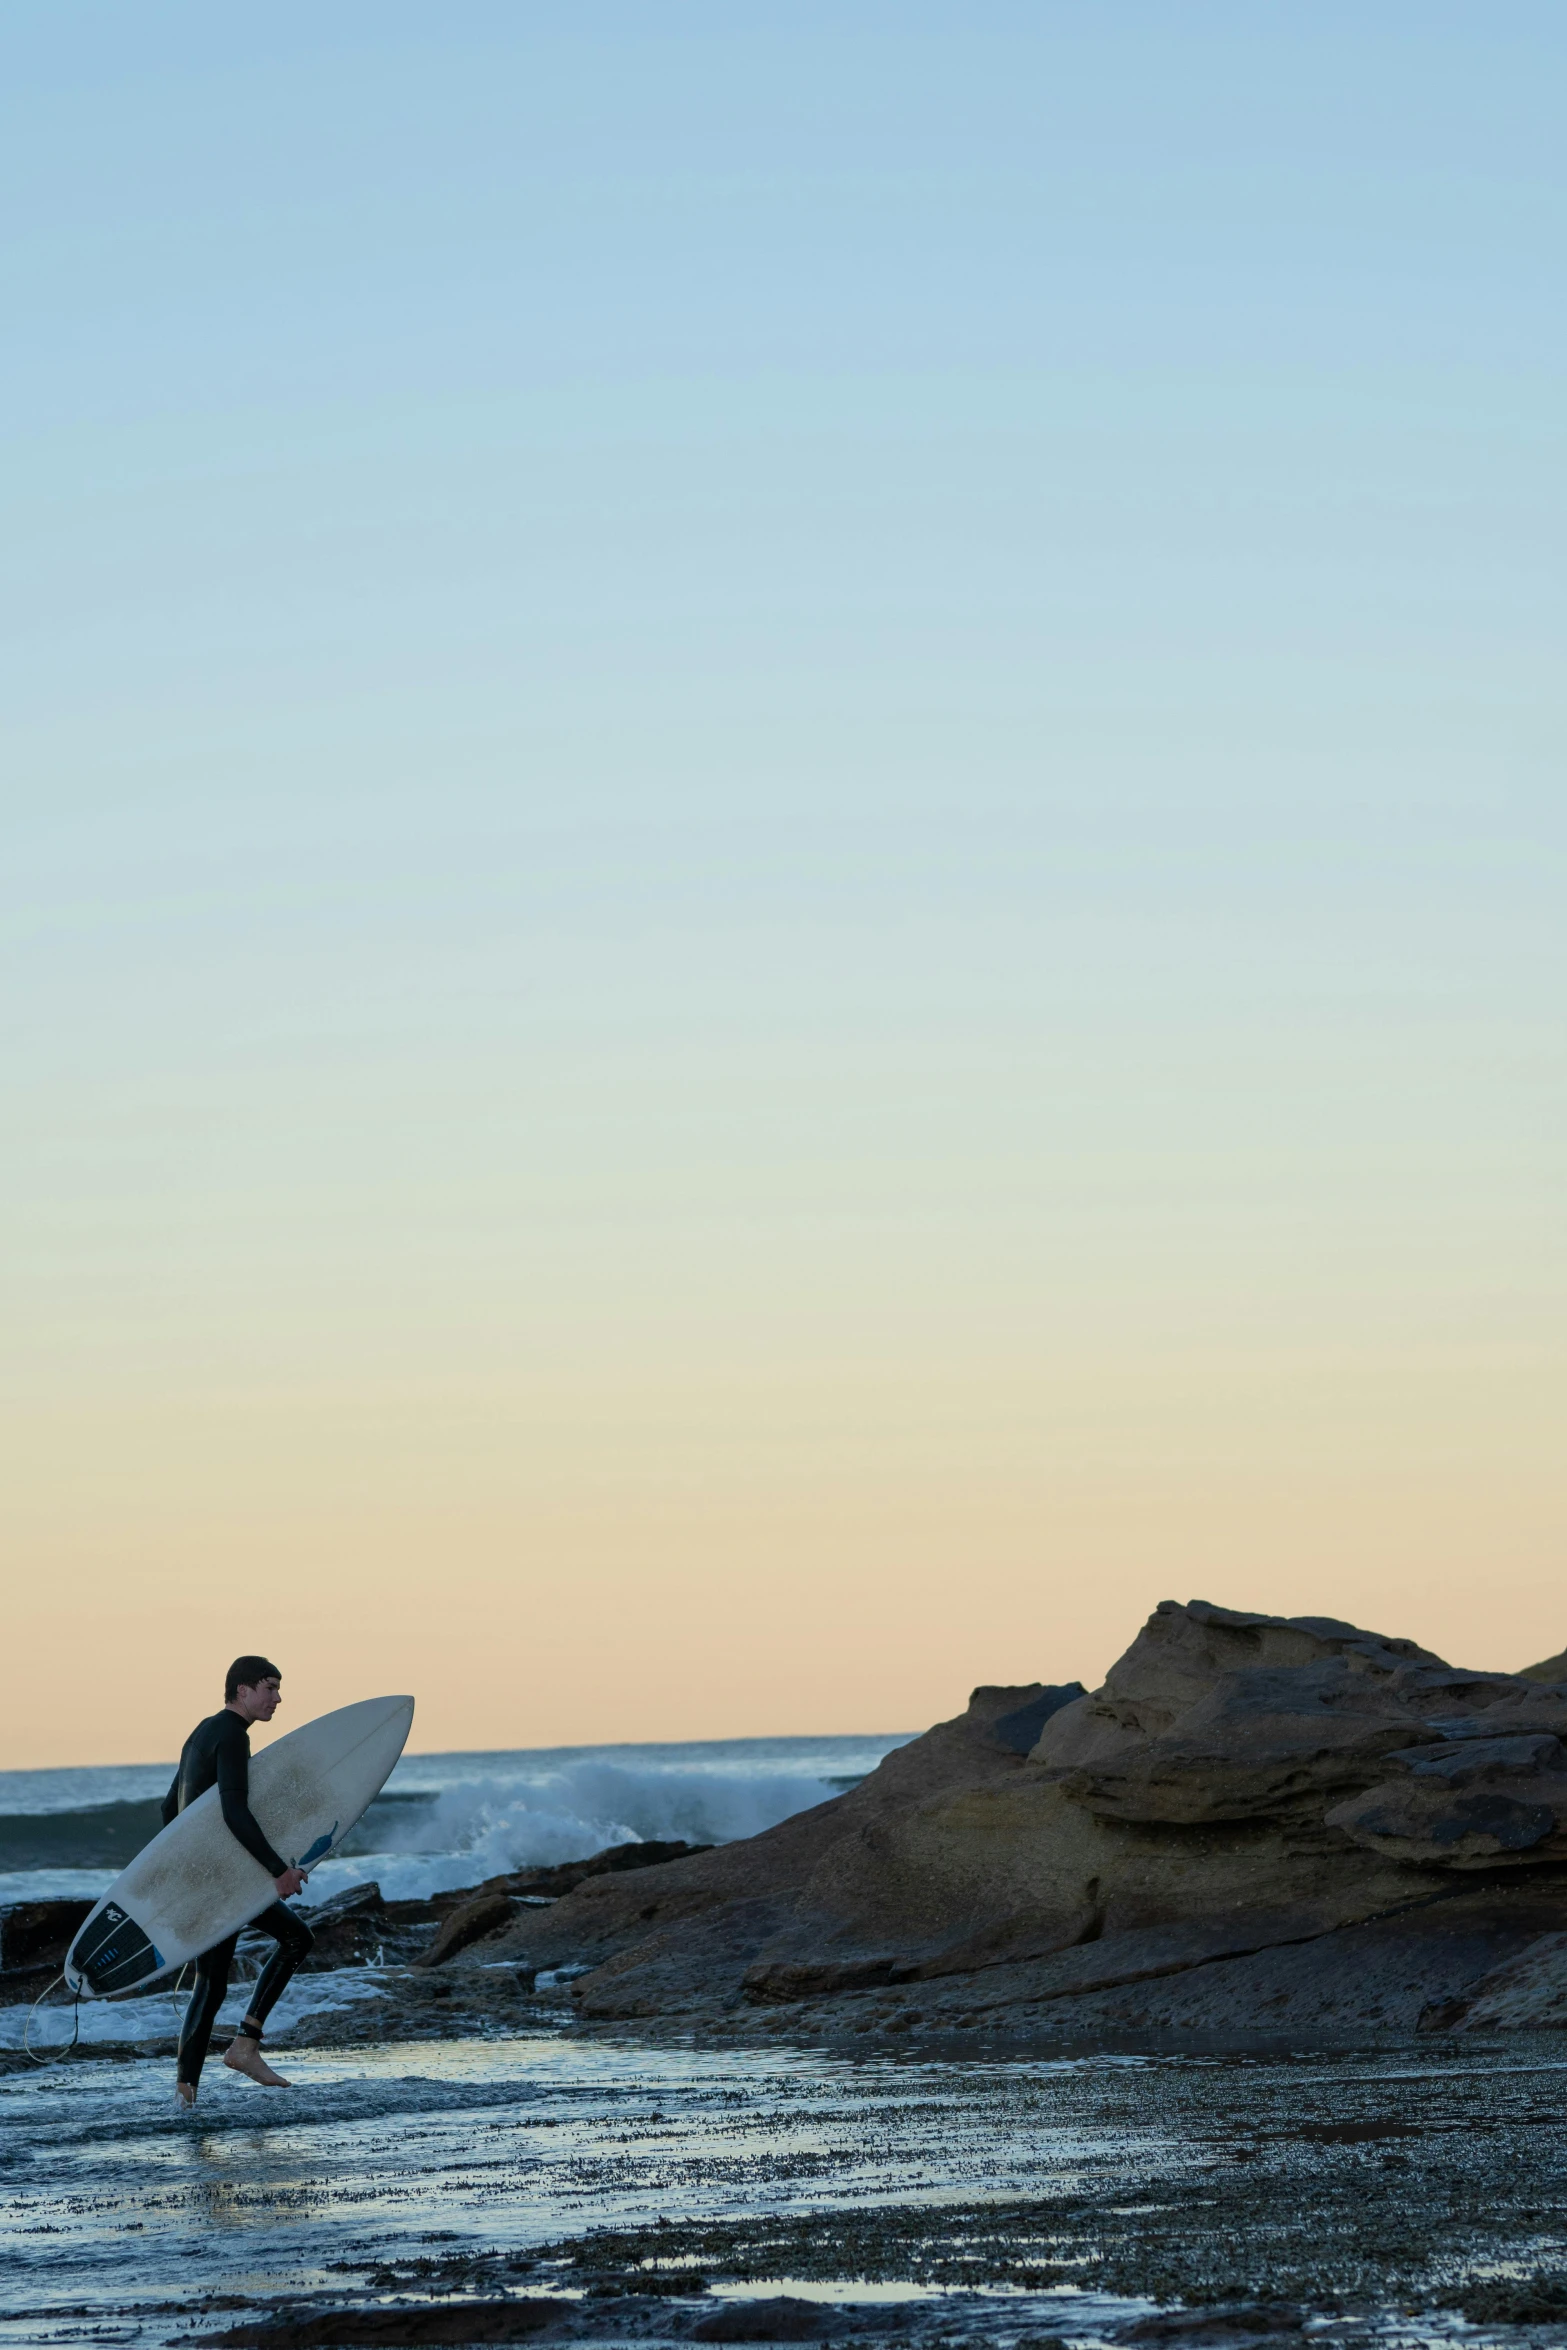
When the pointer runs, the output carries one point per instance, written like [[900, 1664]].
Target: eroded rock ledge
[[1258, 1824]]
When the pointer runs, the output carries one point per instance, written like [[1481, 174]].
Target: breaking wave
[[445, 1821], [486, 1827]]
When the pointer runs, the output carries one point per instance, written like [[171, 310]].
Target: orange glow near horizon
[[554, 1607]]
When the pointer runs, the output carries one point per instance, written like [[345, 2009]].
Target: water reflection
[[109, 2193]]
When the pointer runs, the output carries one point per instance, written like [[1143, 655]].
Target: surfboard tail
[[111, 1953]]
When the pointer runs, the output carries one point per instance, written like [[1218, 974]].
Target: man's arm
[[171, 1802], [234, 1796]]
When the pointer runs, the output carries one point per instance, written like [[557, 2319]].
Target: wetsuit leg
[[294, 1942], [212, 1976]]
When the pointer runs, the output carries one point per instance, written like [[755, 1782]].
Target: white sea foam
[[54, 1884], [484, 1827], [100, 2023]]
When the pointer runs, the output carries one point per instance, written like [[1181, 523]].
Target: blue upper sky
[[862, 696]]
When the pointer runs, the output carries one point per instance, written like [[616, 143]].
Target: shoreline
[[1412, 2193], [494, 2001]]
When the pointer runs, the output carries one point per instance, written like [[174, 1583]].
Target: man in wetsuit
[[217, 1754]]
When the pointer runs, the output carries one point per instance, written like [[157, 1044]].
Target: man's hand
[[291, 1881]]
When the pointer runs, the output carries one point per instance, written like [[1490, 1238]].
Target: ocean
[[446, 1820]]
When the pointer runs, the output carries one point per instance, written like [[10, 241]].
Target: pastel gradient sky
[[782, 894]]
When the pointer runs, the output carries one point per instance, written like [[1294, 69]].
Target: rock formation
[[1256, 1821]]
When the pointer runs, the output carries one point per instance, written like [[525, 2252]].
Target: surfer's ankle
[[185, 2092], [244, 2056]]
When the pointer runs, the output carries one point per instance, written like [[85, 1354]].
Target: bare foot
[[244, 2056], [185, 2091]]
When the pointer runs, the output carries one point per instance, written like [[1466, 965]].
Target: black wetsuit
[[217, 1754]]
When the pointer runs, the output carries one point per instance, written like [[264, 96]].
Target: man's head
[[252, 1688]]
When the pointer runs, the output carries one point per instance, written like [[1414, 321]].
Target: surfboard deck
[[195, 1884]]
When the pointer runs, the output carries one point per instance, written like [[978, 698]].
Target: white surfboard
[[195, 1884]]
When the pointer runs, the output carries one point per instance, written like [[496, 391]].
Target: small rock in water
[[451, 2322], [784, 2318], [1244, 2322], [476, 1918]]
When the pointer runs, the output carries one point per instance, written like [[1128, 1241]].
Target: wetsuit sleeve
[[171, 1802], [233, 1760]]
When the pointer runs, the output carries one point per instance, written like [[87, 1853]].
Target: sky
[[781, 898]]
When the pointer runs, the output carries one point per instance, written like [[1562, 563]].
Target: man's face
[[258, 1703]]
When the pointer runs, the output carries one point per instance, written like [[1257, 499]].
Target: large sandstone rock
[[1214, 1715], [1241, 1784]]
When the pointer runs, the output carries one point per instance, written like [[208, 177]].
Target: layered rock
[[1325, 1730], [1241, 1783]]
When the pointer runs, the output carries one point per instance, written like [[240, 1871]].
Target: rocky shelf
[[1258, 1826]]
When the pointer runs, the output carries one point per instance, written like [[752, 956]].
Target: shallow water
[[56, 2025], [113, 2202], [107, 2193]]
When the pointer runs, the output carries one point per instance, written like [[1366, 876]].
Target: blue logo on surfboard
[[322, 1844]]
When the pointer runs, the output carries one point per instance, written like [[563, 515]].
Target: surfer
[[217, 1754]]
